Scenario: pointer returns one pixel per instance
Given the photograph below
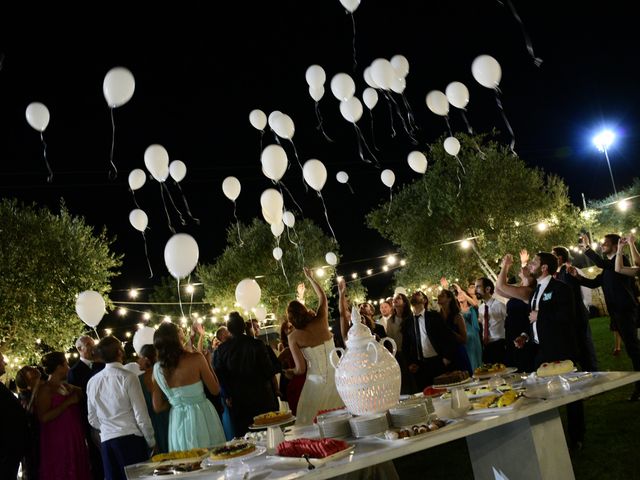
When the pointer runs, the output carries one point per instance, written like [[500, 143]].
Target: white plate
[[497, 410], [450, 423], [316, 462], [207, 462], [506, 371]]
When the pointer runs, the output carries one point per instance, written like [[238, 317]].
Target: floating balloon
[[38, 116], [398, 84], [342, 86], [142, 337], [90, 307], [277, 228], [331, 258], [156, 159], [181, 255], [315, 174], [417, 162], [231, 188], [342, 177], [177, 170], [368, 78], [271, 202], [289, 219], [382, 73], [351, 109], [370, 98], [257, 119], [274, 162], [261, 313], [272, 116], [118, 86], [248, 293], [437, 102], [486, 70], [138, 219], [401, 65], [399, 290], [283, 126], [452, 146], [457, 94], [315, 76], [388, 177], [277, 253], [137, 179], [316, 93], [350, 5]]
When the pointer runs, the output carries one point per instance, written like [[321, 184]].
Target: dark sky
[[199, 73]]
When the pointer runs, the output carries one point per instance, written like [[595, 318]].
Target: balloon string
[[113, 173], [459, 182], [326, 215], [46, 161], [429, 211], [446, 119], [461, 165], [350, 189], [355, 62], [295, 152], [276, 137], [470, 130], [146, 254], [281, 184], [164, 204], [96, 332], [299, 244], [289, 237], [373, 132], [182, 220], [410, 117], [134, 197], [186, 204], [393, 130], [237, 224], [390, 201], [180, 298], [191, 297], [261, 135], [537, 61], [284, 273], [404, 124], [504, 117], [320, 121], [364, 142]]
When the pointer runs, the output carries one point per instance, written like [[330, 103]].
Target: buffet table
[[526, 443]]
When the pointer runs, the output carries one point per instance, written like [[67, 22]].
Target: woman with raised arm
[[635, 257], [310, 344]]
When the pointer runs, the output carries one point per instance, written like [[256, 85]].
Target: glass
[[459, 401], [236, 470]]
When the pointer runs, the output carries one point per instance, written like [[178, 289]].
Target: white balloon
[[350, 5], [398, 84], [368, 78], [283, 126], [138, 219], [316, 93], [118, 86], [342, 86], [181, 255], [486, 70], [156, 159], [289, 219], [331, 258], [400, 64], [177, 170], [315, 76], [388, 177], [137, 178], [271, 202], [274, 162], [370, 97], [401, 290], [382, 73], [457, 94], [351, 109], [261, 313], [451, 145], [417, 162], [231, 188], [90, 307], [142, 337], [437, 102], [248, 293], [277, 228], [342, 177], [272, 116], [272, 218], [314, 173], [258, 119], [38, 116], [277, 253]]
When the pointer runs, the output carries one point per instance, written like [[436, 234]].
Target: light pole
[[602, 141]]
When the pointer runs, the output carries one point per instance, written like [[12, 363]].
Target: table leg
[[530, 448]]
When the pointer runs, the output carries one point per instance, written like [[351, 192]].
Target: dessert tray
[[209, 462], [504, 371], [493, 410], [185, 467], [302, 462], [417, 433], [455, 384], [286, 421]]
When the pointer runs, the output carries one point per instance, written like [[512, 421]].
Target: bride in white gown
[[310, 344]]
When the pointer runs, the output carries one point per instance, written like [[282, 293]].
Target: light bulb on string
[[122, 311], [354, 275], [146, 316], [403, 263], [385, 268], [190, 288], [166, 318], [370, 272], [133, 293], [391, 260]]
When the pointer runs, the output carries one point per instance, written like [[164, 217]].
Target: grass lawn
[[612, 439]]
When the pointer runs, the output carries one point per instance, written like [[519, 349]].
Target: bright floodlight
[[604, 139]]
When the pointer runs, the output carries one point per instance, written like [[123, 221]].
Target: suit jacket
[[14, 431], [580, 309], [79, 376], [556, 324], [440, 336]]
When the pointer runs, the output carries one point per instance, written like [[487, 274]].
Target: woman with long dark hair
[[160, 421], [450, 312], [179, 380]]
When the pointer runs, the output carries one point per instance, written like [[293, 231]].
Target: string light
[[38, 341], [133, 293], [542, 226], [403, 263], [140, 325], [385, 268], [146, 316], [623, 205], [166, 318], [391, 260], [320, 272], [108, 331], [370, 271], [190, 288], [354, 275], [465, 244], [128, 334], [122, 311]]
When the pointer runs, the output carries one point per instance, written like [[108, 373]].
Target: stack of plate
[[365, 425], [334, 425], [408, 414]]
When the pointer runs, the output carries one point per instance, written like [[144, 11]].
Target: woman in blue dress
[[179, 380], [474, 345]]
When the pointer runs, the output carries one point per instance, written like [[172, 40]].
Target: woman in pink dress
[[63, 451]]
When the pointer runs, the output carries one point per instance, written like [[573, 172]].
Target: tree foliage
[[47, 259], [606, 216], [500, 202]]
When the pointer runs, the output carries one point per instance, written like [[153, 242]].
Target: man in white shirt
[[491, 314], [117, 408], [386, 311]]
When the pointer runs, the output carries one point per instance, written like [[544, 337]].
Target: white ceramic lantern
[[367, 374]]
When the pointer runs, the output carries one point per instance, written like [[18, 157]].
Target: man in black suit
[[427, 342], [13, 433], [619, 296], [79, 375]]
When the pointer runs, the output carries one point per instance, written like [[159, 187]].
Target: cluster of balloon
[[156, 159], [275, 163], [90, 307], [351, 6], [38, 118], [258, 120], [388, 178], [142, 337], [343, 177], [118, 87], [248, 293], [283, 127], [181, 255], [487, 72], [315, 174], [231, 189], [177, 171], [315, 77]]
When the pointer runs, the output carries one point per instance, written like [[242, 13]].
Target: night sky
[[199, 73]]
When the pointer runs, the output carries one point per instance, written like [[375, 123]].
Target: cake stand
[[275, 432]]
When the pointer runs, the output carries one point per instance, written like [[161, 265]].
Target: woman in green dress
[[179, 380], [160, 421]]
